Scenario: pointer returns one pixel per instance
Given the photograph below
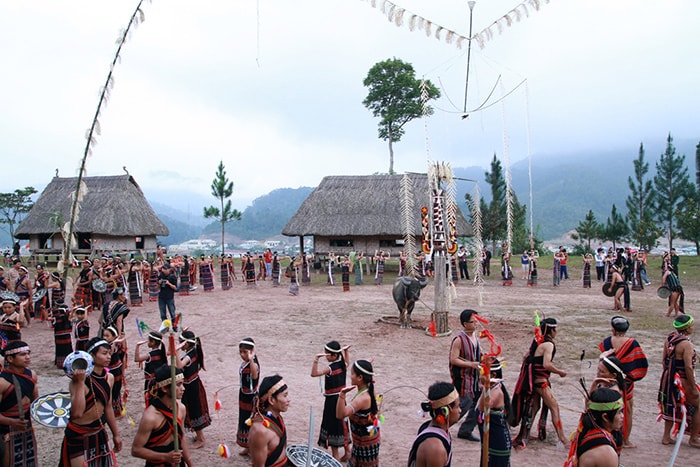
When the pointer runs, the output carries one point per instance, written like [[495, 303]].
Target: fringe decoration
[[395, 13], [407, 217], [509, 188], [137, 18], [475, 210], [425, 98]]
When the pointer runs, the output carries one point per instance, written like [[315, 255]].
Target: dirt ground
[[289, 331]]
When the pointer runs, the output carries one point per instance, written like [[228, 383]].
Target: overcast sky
[[274, 87]]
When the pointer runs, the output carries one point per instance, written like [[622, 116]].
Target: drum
[[663, 292], [609, 289], [7, 295], [296, 453], [38, 295], [98, 285], [51, 410], [78, 360]]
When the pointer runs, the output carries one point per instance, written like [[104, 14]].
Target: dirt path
[[291, 330]]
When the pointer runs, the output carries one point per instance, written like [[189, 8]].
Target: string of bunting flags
[[401, 16]]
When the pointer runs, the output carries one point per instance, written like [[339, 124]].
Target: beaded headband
[[681, 326], [247, 342], [7, 300], [155, 337], [97, 344], [275, 387], [328, 349], [168, 382], [367, 372], [17, 350], [446, 400], [605, 406], [615, 367]]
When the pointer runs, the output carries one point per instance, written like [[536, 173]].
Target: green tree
[[688, 218], [14, 206], [494, 216], [672, 184], [587, 230], [616, 229], [640, 205], [395, 97], [222, 189]]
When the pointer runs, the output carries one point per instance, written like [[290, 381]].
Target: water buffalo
[[406, 291]]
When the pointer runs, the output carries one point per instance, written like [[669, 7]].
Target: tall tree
[[671, 182], [587, 230], [395, 97], [222, 189], [494, 220], [688, 216], [13, 207], [640, 205], [615, 229]]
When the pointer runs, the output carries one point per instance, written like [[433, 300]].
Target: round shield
[[78, 360], [51, 410], [609, 289], [296, 453], [38, 295], [98, 285], [663, 292], [7, 295]]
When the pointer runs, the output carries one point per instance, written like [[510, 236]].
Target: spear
[[486, 368], [173, 385]]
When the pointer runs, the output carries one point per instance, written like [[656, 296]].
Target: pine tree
[[640, 205], [222, 189], [671, 182], [615, 229], [587, 230]]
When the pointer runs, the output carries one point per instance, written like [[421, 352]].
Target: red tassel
[[431, 328]]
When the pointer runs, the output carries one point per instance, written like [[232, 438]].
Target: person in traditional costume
[[184, 277], [357, 266], [621, 298], [380, 258], [41, 306], [361, 411], [117, 367], [305, 269], [433, 445], [499, 409], [262, 271], [195, 396], [534, 389], [634, 365], [85, 441], [155, 436], [62, 330], [330, 271], [194, 267], [154, 358], [249, 374], [587, 260], [11, 322], [556, 269], [114, 312], [206, 274], [593, 443], [57, 289], [225, 271], [135, 280], [293, 273], [532, 269], [454, 271], [82, 295], [24, 290], [679, 362], [676, 300], [97, 296], [345, 266], [3, 280], [506, 270], [268, 434], [81, 328], [465, 357], [609, 374], [153, 284], [249, 270], [276, 270], [18, 388], [334, 431]]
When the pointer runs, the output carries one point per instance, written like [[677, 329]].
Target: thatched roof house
[[362, 213], [114, 216]]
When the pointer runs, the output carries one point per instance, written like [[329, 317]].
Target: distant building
[[362, 213], [196, 244], [114, 216]]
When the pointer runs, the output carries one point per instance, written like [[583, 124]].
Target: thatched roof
[[362, 206], [113, 206]]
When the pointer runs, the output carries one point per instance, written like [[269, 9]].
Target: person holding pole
[[156, 440], [498, 400]]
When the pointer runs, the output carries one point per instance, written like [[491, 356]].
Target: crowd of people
[[351, 426]]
